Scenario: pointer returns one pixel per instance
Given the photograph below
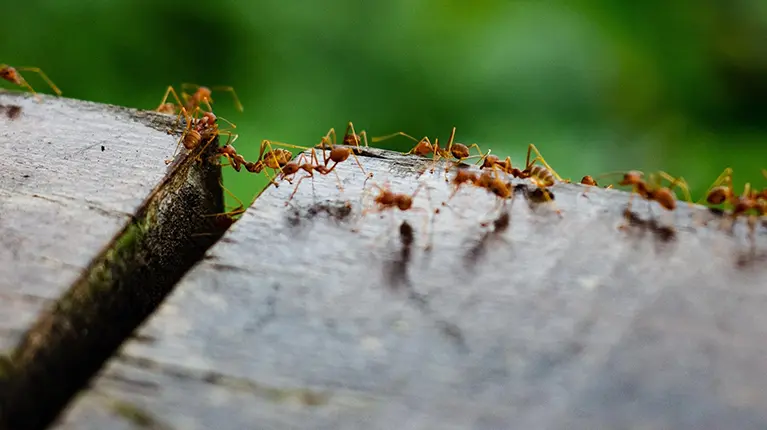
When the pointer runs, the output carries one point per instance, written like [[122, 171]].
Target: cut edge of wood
[[123, 285]]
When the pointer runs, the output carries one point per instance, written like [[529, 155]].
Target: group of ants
[[201, 129]]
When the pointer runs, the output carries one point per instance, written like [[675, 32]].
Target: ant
[[13, 76], [200, 97], [751, 203], [230, 153], [340, 154], [542, 176], [203, 129], [652, 190], [293, 167], [351, 138], [275, 159], [488, 179], [388, 200], [424, 147]]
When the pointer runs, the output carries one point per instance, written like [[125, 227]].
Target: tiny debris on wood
[[598, 318]]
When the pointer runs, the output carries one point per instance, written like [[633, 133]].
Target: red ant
[[542, 176], [387, 200], [203, 129], [13, 76], [201, 97], [751, 203], [652, 190], [293, 167], [340, 154], [424, 147]]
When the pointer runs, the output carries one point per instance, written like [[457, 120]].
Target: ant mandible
[[13, 75]]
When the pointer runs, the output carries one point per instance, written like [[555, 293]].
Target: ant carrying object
[[13, 76], [424, 147], [201, 97]]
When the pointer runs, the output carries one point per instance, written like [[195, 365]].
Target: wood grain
[[309, 316]]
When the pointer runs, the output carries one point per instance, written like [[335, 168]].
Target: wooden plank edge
[[68, 344]]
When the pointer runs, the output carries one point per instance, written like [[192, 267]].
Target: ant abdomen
[[543, 175], [192, 138]]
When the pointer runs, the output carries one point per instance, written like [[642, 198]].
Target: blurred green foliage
[[596, 85]]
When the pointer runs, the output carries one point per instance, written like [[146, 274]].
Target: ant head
[[490, 161], [9, 73], [718, 195], [665, 198], [209, 117], [631, 178], [351, 138], [588, 180]]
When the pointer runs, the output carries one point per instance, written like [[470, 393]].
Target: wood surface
[[95, 229], [73, 173], [312, 316]]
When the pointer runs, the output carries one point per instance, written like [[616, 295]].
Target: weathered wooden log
[[311, 316], [95, 232]]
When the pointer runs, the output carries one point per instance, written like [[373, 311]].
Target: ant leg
[[677, 182], [239, 209], [24, 84], [399, 133], [540, 158], [42, 75], [364, 136], [237, 103], [168, 92], [295, 190], [327, 138], [483, 157], [338, 178], [349, 127]]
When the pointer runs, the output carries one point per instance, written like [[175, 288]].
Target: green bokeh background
[[596, 85]]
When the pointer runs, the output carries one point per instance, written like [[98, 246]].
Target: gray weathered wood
[[71, 175], [294, 320], [96, 231]]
